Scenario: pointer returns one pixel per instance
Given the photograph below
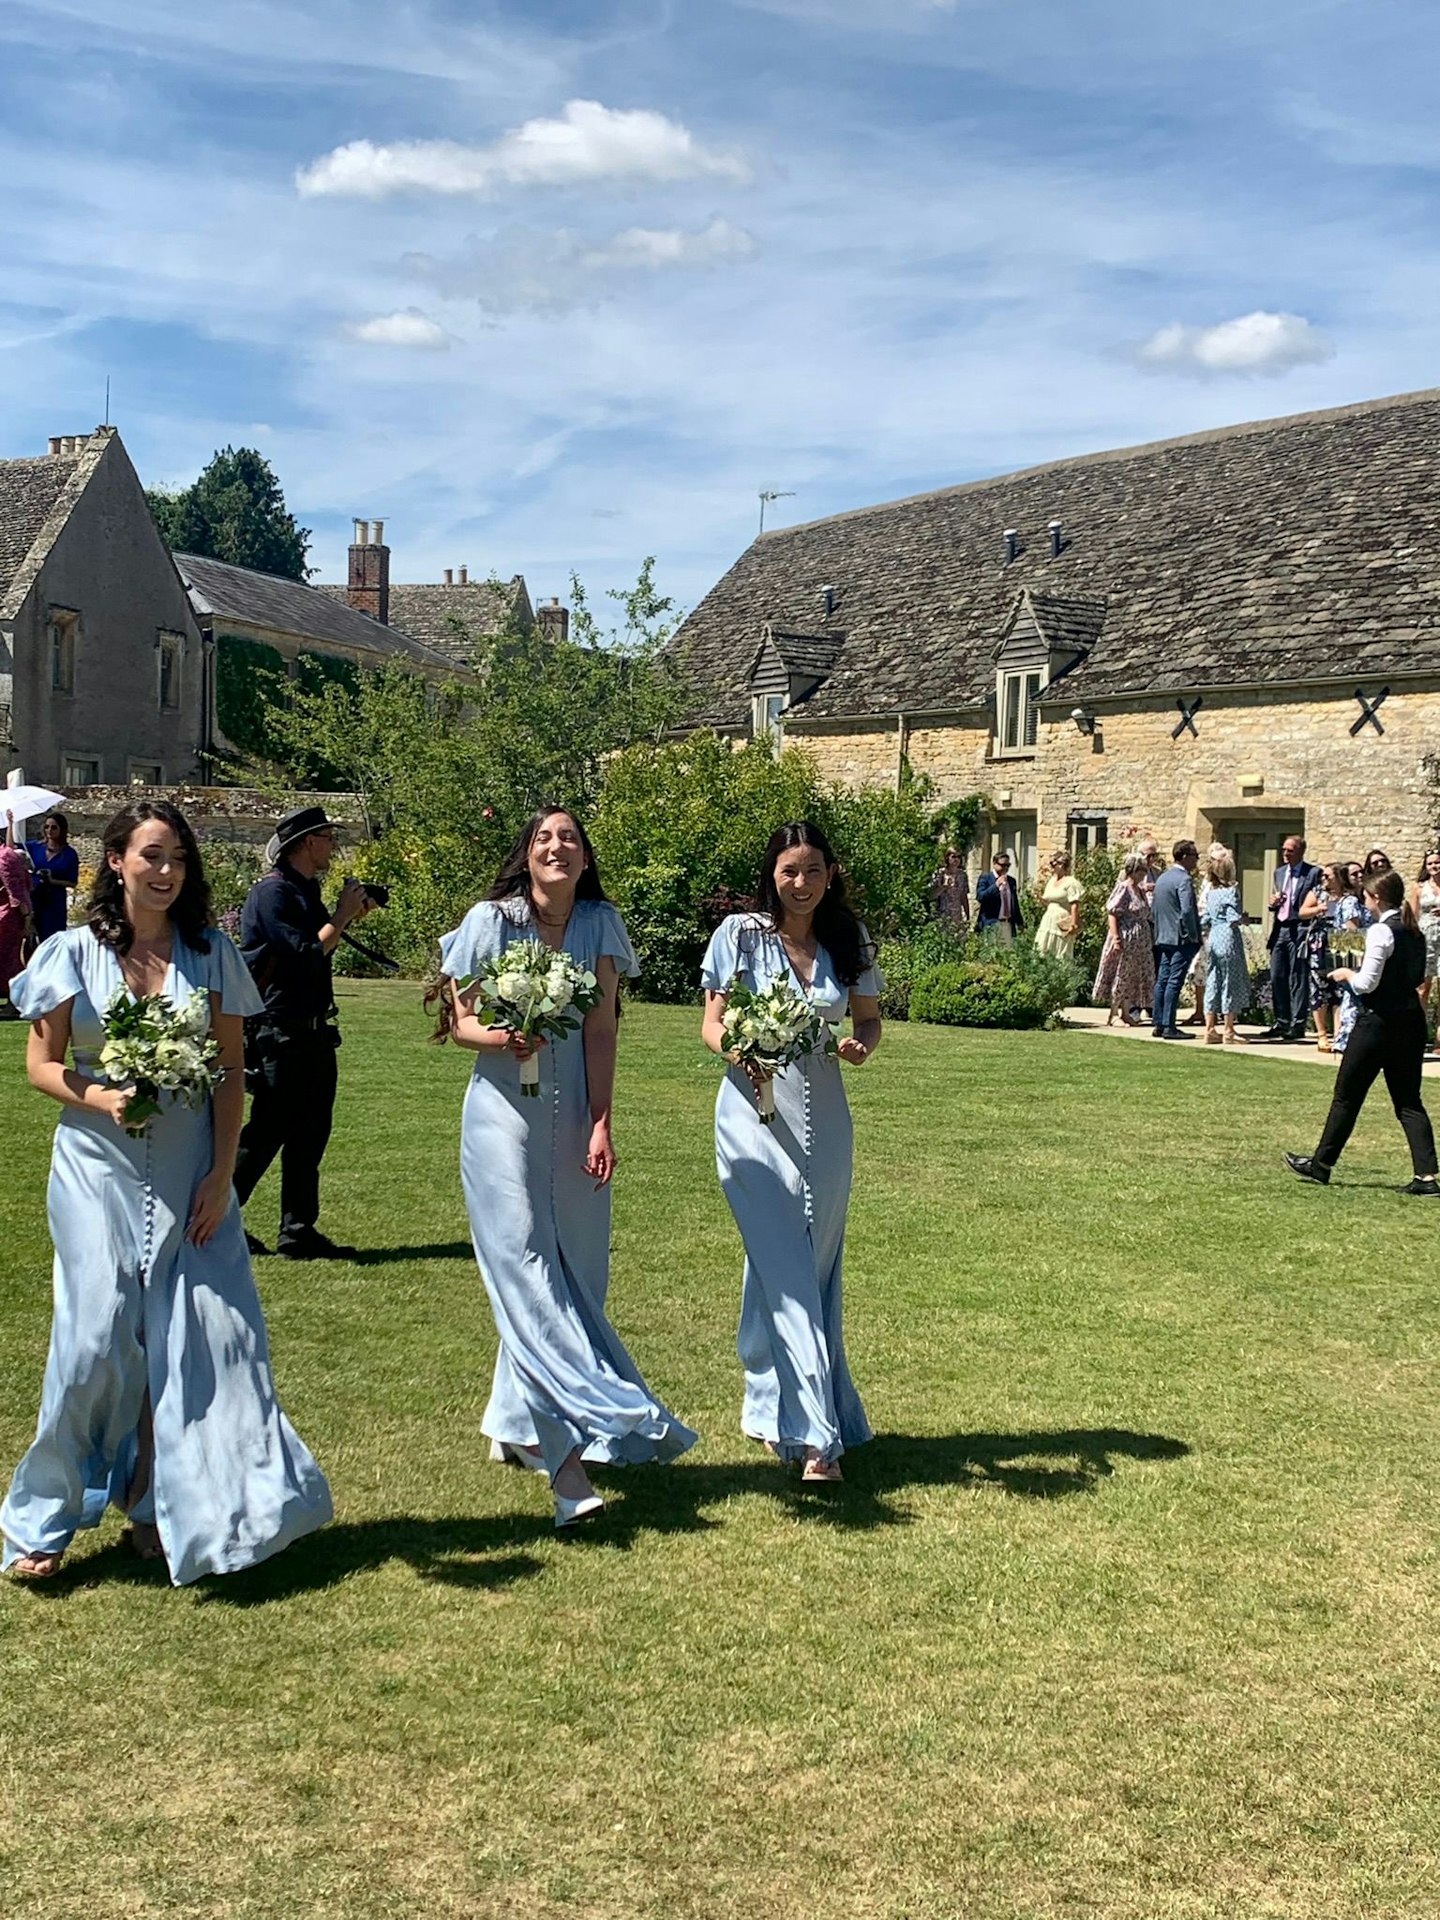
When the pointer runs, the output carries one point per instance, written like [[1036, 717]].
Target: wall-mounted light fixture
[[1083, 720]]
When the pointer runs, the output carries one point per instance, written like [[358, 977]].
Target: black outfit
[[1388, 1037], [290, 1064], [1289, 947]]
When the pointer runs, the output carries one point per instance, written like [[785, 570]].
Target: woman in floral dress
[[1126, 976]]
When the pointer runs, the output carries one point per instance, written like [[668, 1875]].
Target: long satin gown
[[788, 1186], [541, 1228], [137, 1305]]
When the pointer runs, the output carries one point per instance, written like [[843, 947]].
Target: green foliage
[[680, 830], [957, 824], [970, 993], [231, 871], [236, 512], [250, 685], [448, 774], [903, 961]]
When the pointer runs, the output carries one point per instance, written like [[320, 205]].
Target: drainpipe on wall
[[902, 748], [207, 702]]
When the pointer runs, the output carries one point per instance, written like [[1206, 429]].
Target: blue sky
[[558, 285]]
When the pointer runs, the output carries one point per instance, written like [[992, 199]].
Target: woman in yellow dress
[[1060, 922]]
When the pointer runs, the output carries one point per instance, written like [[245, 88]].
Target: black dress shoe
[[1423, 1189], [313, 1246], [257, 1248], [1305, 1169], [1174, 1033]]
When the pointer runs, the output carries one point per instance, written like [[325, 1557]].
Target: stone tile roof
[[429, 613], [36, 497], [1298, 549], [220, 591]]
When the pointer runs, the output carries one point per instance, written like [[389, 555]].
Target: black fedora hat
[[294, 827]]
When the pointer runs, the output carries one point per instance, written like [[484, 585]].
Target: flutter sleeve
[[722, 958], [477, 939], [613, 942], [227, 974], [52, 977], [871, 983]]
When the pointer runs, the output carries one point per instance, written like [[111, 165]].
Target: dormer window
[[1016, 710], [765, 712]]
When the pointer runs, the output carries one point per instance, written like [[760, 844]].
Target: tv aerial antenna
[[767, 494]]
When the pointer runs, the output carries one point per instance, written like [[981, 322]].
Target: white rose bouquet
[[164, 1052], [765, 1031], [532, 990]]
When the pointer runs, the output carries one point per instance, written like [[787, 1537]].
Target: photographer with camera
[[287, 935]]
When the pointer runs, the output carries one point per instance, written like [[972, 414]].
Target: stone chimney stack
[[368, 586], [553, 620]]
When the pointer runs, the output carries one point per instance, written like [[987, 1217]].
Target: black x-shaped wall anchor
[[1187, 716], [1368, 716]]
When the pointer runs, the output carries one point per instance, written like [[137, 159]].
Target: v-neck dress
[[788, 1186], [541, 1227], [138, 1305]]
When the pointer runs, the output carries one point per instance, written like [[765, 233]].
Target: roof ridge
[[1104, 455]]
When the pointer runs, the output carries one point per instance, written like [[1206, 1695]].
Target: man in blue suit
[[1295, 880], [997, 903], [1177, 936]]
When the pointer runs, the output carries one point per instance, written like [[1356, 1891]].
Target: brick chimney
[[553, 620], [368, 587]]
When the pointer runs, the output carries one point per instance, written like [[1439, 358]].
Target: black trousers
[[1392, 1044], [293, 1079], [1290, 978]]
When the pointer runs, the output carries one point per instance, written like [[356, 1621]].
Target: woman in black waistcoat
[[1388, 1037]]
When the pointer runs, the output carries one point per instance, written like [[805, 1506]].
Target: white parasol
[[19, 803]]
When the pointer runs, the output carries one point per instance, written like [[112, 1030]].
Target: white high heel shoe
[[569, 1513], [504, 1453]]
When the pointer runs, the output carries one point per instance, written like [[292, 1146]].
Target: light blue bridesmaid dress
[[541, 1228], [788, 1186], [137, 1305]]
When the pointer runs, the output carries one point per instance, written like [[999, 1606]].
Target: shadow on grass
[[495, 1551], [437, 1250]]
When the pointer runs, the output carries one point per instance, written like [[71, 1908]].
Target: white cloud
[[408, 328], [1255, 343], [656, 247], [588, 142]]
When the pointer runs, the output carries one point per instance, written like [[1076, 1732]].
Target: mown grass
[[1129, 1612]]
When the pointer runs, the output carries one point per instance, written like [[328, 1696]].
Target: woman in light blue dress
[[1227, 971], [158, 1395], [537, 1177], [788, 1184]]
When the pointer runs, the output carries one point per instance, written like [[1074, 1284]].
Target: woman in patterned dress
[[1126, 976]]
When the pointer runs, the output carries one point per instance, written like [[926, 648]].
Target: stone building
[[1234, 634], [265, 632], [103, 674], [447, 615]]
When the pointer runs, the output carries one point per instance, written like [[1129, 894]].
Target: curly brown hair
[[190, 910]]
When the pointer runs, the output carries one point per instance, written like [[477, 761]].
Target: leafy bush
[[977, 993], [250, 686], [680, 828], [903, 961]]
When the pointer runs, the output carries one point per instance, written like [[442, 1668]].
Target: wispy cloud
[[659, 247], [587, 144], [407, 328], [1254, 343]]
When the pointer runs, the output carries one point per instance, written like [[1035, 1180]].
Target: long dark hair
[[60, 821], [514, 875], [1389, 889], [836, 927], [189, 913], [512, 881]]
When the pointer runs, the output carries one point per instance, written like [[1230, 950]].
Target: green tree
[[235, 511]]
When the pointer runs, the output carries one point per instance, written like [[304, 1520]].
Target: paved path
[[1092, 1020]]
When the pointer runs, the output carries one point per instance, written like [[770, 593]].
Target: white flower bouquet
[[165, 1053], [532, 990], [767, 1030]]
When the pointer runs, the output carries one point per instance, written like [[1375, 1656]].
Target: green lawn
[[1128, 1613]]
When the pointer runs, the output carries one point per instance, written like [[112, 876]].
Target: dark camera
[[373, 890]]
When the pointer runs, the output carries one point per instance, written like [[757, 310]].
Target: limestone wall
[[1255, 759]]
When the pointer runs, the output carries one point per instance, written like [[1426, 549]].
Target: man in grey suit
[[1177, 936]]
